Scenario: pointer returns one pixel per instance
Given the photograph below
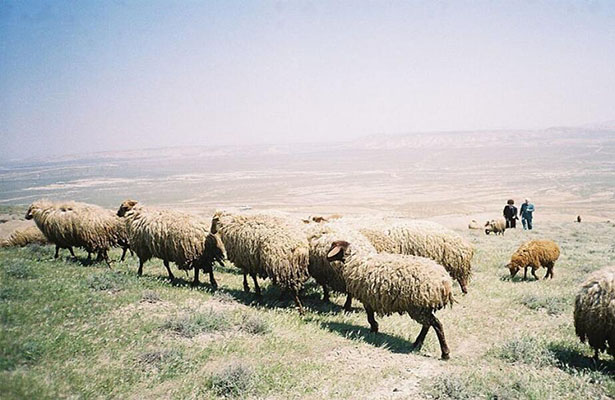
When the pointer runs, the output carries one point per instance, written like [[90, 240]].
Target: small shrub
[[157, 358], [106, 281], [552, 305], [235, 380], [450, 387], [149, 296], [254, 324], [526, 350], [18, 270], [223, 297], [25, 353], [194, 324]]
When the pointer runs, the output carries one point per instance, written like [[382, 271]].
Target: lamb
[[72, 224], [265, 246], [431, 240], [594, 311], [172, 236], [535, 254], [24, 237], [496, 226], [320, 238], [396, 283]]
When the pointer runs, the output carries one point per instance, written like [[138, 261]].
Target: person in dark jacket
[[510, 214], [527, 211]]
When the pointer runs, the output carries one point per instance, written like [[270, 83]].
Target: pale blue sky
[[88, 76]]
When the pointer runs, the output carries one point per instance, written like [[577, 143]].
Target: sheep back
[[382, 242], [434, 241]]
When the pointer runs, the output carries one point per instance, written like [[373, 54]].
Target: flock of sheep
[[407, 267]]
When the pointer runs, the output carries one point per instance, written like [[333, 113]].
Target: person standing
[[510, 214], [527, 210]]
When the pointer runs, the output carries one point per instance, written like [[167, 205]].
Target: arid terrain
[[73, 329]]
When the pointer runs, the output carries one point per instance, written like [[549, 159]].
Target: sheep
[[496, 226], [72, 224], [266, 246], [594, 311], [535, 254], [396, 283], [24, 237], [432, 240], [172, 236], [320, 238]]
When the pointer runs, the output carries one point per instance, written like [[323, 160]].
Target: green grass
[[69, 328]]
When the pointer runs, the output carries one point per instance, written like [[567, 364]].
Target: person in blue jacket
[[527, 209]]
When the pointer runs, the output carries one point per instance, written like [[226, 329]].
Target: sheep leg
[[140, 271], [166, 264], [440, 332], [549, 270], [124, 249], [298, 302], [534, 272], [106, 257], [195, 282], [525, 273], [418, 342], [372, 321], [325, 293], [257, 288], [246, 287], [348, 303], [57, 251], [464, 288], [89, 255], [212, 280], [72, 253]]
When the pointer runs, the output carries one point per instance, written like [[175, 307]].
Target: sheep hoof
[[446, 356]]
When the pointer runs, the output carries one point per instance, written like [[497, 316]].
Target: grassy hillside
[[73, 329]]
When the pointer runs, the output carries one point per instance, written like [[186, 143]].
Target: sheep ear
[[334, 251], [214, 225]]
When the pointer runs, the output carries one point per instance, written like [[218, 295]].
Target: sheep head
[[214, 251], [514, 267], [338, 251], [126, 206]]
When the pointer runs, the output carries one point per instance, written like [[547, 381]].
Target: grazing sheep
[[396, 283], [594, 311], [72, 224], [535, 254], [265, 246], [474, 225], [320, 238], [431, 240], [172, 236], [496, 226], [24, 237]]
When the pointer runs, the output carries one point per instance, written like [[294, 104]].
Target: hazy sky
[[93, 76]]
